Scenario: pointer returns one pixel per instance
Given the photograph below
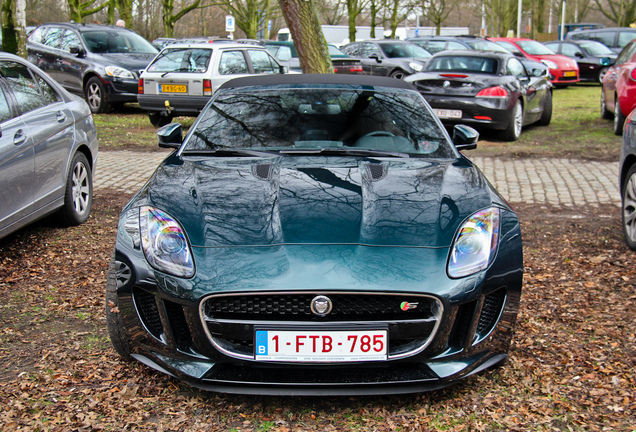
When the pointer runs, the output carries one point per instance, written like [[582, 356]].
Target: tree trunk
[[301, 17]]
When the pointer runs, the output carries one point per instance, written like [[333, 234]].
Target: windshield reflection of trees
[[285, 118]]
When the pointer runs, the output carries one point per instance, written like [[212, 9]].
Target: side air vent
[[148, 311], [490, 312], [376, 171], [263, 171]]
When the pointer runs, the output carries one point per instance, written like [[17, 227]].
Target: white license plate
[[320, 346], [445, 113]]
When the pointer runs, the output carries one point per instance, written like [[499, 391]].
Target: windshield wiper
[[346, 152], [228, 152], [176, 70]]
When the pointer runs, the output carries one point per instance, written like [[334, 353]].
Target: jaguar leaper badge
[[321, 305]]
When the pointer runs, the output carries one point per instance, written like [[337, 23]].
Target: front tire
[[619, 119], [96, 96], [605, 113], [546, 115], [78, 196], [158, 120], [118, 273], [513, 131], [629, 208], [398, 74]]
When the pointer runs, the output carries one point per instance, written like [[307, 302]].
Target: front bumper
[[466, 327], [122, 90]]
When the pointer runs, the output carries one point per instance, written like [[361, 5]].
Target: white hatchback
[[182, 77]]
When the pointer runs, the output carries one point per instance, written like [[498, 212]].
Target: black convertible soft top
[[292, 79]]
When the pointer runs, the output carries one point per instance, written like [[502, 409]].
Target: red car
[[563, 70], [618, 97]]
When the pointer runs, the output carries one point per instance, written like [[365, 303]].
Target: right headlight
[[475, 244], [164, 243]]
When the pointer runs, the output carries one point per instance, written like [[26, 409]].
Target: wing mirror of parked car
[[579, 54], [284, 69], [375, 57], [170, 135], [77, 50], [465, 137]]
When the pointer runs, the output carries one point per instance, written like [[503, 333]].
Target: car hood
[[318, 200], [561, 61], [131, 61]]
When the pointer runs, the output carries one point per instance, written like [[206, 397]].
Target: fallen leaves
[[572, 359]]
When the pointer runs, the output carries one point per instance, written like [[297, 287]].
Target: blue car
[[316, 235]]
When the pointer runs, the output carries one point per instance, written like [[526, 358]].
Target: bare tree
[[79, 9], [437, 11], [333, 12], [354, 9], [249, 15], [170, 17], [302, 19], [14, 27]]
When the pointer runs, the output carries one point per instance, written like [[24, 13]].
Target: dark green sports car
[[312, 235]]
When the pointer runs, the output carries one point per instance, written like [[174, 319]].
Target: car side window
[[606, 38], [37, 35], [262, 62], [52, 37], [284, 53], [515, 68], [371, 49], [69, 39], [626, 54], [455, 46], [5, 111], [510, 47], [625, 37], [24, 87], [435, 46], [352, 50], [570, 50], [232, 63]]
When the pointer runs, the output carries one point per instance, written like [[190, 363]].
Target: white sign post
[[229, 25]]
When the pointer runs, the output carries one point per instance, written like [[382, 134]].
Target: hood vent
[[263, 171], [377, 172]]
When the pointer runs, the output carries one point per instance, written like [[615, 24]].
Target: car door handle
[[61, 118], [19, 138]]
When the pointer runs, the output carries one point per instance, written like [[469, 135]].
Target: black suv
[[100, 62]]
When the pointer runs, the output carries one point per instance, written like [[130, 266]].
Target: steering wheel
[[379, 134]]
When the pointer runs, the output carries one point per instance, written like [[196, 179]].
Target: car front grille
[[411, 320]]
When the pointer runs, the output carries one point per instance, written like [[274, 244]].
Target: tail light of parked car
[[493, 92], [632, 74], [207, 87], [140, 87]]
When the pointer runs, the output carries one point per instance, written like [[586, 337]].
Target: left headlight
[[550, 64], [417, 67], [475, 244], [164, 243], [116, 71]]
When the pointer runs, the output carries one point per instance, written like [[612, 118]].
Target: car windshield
[[181, 60], [596, 48], [404, 50], [484, 45], [111, 41], [347, 118], [455, 63], [534, 47]]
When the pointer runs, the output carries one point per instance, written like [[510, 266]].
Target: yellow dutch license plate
[[569, 73], [173, 88]]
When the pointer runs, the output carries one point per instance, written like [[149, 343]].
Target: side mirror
[[375, 57], [170, 135], [579, 54], [284, 69], [77, 50], [465, 137]]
